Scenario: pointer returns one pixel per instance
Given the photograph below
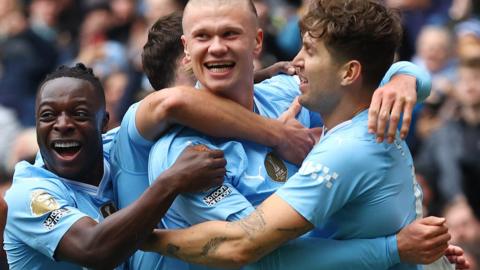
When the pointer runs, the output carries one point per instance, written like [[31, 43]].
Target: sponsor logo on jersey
[[276, 169], [54, 217], [42, 202], [217, 195]]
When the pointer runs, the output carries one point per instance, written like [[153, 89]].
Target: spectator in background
[[114, 85], [435, 48], [25, 59], [468, 39], [95, 49], [435, 53], [442, 156], [463, 227], [416, 14]]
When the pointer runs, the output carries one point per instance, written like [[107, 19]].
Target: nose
[[63, 124], [298, 62], [217, 47]]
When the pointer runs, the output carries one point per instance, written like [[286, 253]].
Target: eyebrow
[[50, 101], [223, 29]]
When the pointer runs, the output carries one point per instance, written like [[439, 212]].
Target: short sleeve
[[424, 81], [130, 150], [325, 183], [40, 212]]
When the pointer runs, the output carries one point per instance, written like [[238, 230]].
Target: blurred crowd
[[442, 36]]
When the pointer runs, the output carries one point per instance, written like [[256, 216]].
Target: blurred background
[[441, 36]]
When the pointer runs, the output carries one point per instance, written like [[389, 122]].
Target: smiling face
[[222, 39], [319, 75], [70, 120]]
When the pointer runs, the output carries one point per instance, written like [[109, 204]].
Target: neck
[[241, 94], [352, 103], [96, 175]]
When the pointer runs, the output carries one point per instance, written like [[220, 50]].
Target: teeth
[[66, 144], [219, 70], [220, 65]]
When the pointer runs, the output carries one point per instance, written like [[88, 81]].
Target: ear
[[185, 47], [350, 72], [258, 42], [105, 122]]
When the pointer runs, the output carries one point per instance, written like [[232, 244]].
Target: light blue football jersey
[[250, 169], [41, 209], [353, 187]]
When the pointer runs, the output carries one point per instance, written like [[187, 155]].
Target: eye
[[81, 115], [46, 116], [230, 34], [201, 36]]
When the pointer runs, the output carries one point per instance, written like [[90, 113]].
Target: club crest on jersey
[[217, 195], [276, 168], [108, 209], [54, 217], [42, 202]]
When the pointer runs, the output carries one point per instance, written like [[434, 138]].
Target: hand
[[423, 241], [297, 140], [395, 97], [268, 72], [455, 255], [198, 168]]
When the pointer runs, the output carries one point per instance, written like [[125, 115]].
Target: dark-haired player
[[58, 206]]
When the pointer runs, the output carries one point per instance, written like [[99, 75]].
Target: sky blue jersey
[[353, 187], [43, 206], [252, 172]]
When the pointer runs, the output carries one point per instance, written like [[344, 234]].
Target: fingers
[[385, 109], [295, 108], [215, 154], [217, 163], [439, 243], [431, 220], [316, 134], [407, 117], [287, 68], [394, 119], [373, 111], [453, 251]]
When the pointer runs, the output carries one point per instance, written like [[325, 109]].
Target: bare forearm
[[106, 244], [224, 244], [207, 113]]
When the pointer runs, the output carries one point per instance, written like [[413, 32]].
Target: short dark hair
[[162, 50], [364, 30], [79, 71]]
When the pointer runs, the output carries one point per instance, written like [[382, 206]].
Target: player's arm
[[268, 72], [223, 244], [219, 117], [396, 96], [106, 244]]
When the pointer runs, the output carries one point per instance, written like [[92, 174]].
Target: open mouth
[[303, 80], [66, 149], [220, 67]]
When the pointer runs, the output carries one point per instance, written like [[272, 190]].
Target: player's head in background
[[348, 45], [163, 59], [70, 119]]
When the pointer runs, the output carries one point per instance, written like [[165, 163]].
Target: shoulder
[[281, 85]]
